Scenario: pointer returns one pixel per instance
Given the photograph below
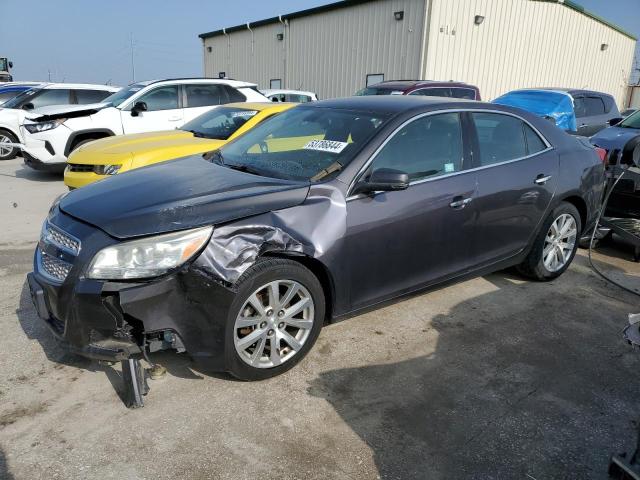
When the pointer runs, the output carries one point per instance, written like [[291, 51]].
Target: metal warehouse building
[[497, 45]]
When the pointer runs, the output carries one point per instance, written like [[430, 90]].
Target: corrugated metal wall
[[253, 57], [329, 53], [525, 43], [333, 52], [521, 43]]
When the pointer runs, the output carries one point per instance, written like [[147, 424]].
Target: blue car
[[10, 90], [581, 112]]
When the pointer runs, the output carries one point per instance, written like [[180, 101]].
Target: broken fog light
[[106, 169], [148, 257]]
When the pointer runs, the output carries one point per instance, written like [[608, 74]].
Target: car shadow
[[177, 365], [530, 380], [5, 474], [22, 171]]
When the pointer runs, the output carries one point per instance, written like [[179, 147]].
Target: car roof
[[262, 106], [274, 91], [571, 91], [81, 86], [393, 104], [406, 84], [225, 81]]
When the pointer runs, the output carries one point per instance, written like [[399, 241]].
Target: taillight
[[602, 153]]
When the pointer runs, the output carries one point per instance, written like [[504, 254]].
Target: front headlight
[[106, 169], [148, 257], [43, 126]]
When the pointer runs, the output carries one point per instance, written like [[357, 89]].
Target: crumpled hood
[[57, 111], [178, 195], [614, 137]]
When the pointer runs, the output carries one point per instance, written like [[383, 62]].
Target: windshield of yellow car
[[303, 143], [219, 123]]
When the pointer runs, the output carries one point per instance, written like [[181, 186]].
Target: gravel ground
[[494, 377]]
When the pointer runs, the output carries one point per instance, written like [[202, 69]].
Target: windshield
[[121, 95], [377, 91], [302, 143], [19, 100], [632, 121], [219, 123], [4, 65]]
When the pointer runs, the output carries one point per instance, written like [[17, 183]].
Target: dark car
[[429, 88], [622, 141], [583, 112], [239, 257]]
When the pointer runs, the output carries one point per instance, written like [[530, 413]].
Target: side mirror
[[27, 106], [383, 180], [615, 121], [137, 108], [10, 64]]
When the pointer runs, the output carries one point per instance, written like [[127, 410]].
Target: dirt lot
[[491, 378]]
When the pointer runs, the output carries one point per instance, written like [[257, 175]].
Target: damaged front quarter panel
[[314, 229]]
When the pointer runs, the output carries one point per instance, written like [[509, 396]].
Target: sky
[[90, 41]]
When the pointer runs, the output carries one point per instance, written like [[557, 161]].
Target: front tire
[[6, 152], [274, 319], [555, 245]]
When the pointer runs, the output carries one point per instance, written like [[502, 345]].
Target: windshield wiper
[[243, 168], [334, 167]]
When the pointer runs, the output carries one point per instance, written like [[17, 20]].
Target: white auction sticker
[[331, 146], [243, 114]]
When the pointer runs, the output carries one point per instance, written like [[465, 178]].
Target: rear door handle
[[174, 119], [542, 179], [459, 202]]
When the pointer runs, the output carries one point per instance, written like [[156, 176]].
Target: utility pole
[[133, 64], [49, 72]]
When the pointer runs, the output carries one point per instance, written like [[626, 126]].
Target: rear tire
[[7, 153], [555, 245], [278, 287]]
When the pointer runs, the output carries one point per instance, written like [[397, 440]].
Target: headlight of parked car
[[43, 126], [106, 169], [148, 257]]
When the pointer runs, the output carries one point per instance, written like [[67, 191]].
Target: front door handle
[[174, 119], [460, 202], [541, 179]]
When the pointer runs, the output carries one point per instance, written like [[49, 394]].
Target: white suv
[[51, 134], [14, 111]]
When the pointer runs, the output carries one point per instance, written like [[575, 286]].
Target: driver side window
[[427, 147]]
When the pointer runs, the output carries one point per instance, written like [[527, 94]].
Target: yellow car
[[110, 156]]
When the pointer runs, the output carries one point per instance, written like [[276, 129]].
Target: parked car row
[[240, 255]]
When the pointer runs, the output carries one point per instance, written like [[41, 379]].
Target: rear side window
[[433, 92], [594, 106], [295, 98], [52, 96], [500, 137], [84, 97], [466, 93], [427, 147], [161, 98], [535, 144], [234, 95], [205, 95]]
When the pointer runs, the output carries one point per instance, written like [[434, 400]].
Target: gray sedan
[[329, 208]]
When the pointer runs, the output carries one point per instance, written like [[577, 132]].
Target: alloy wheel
[[5, 150], [274, 323], [559, 242]]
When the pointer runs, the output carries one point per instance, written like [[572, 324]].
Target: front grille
[[59, 238], [78, 167], [53, 267]]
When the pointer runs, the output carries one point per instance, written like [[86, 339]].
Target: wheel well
[[580, 205], [321, 273], [2, 129], [87, 136]]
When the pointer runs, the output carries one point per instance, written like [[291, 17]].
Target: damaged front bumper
[[107, 320]]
